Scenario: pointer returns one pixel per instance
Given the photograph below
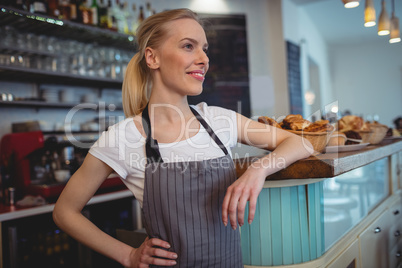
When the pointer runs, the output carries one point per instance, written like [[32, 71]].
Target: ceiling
[[339, 25]]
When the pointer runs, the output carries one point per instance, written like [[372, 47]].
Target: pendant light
[[394, 28], [369, 14], [383, 21], [350, 3]]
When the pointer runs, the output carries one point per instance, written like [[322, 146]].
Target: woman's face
[[182, 61]]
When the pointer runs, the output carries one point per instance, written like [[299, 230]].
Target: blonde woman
[[176, 157]]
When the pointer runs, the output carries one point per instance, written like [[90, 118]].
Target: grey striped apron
[[183, 205]]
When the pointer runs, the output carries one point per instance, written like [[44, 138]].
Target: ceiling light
[[350, 3], [383, 21], [309, 96], [394, 33], [369, 14], [394, 28]]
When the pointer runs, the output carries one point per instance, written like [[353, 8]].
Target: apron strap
[[151, 145], [209, 130]]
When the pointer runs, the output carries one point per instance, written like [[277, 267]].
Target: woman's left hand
[[246, 188], [285, 148]]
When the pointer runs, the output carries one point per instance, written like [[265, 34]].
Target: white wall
[[299, 29], [364, 78], [367, 79]]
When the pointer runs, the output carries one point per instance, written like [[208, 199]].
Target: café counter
[[340, 209], [329, 210]]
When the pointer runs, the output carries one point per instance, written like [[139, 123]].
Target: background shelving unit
[[26, 22]]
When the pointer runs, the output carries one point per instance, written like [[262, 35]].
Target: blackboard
[[294, 78], [227, 81]]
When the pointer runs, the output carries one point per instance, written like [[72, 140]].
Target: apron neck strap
[[209, 130], [151, 145]]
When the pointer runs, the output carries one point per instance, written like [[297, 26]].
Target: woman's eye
[[206, 50], [188, 46]]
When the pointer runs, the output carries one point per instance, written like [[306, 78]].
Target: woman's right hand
[[151, 252]]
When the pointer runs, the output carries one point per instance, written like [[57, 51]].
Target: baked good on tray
[[353, 137]]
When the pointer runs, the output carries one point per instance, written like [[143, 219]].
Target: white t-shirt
[[122, 146]]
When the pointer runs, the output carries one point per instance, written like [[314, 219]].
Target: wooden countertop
[[328, 165]]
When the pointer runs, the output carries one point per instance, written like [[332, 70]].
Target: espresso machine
[[41, 163]]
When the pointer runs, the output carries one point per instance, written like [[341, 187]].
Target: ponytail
[[135, 84]]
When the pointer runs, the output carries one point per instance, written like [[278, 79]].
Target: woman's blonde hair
[[151, 33]]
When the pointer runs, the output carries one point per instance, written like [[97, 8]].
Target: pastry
[[353, 137], [350, 122], [269, 121], [319, 126], [295, 122], [337, 139]]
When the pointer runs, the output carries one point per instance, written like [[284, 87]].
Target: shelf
[[43, 104], [24, 51], [42, 24], [16, 73], [13, 212]]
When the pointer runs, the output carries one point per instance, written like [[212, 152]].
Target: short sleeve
[[107, 149], [223, 122]]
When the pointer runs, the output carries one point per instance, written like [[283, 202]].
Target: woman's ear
[[151, 58]]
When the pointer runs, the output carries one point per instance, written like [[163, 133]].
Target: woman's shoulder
[[125, 127], [211, 111], [217, 117]]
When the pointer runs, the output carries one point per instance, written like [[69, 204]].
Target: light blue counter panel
[[287, 228]]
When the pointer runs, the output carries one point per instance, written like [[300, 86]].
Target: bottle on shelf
[[85, 13], [103, 18], [94, 10], [119, 16], [18, 4], [26, 5], [128, 18], [53, 8], [111, 20], [134, 22], [49, 251], [65, 9], [7, 178], [148, 11], [74, 11], [39, 7], [141, 15]]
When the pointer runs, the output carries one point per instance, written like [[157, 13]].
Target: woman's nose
[[203, 58]]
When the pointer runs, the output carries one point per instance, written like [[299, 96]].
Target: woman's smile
[[199, 75]]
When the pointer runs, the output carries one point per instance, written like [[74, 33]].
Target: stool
[[342, 205], [361, 183], [337, 222]]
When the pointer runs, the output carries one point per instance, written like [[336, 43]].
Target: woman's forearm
[[67, 211], [287, 152], [83, 230]]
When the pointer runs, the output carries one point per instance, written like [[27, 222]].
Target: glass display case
[[349, 197]]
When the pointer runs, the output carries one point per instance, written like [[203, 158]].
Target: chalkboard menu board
[[226, 83], [294, 79]]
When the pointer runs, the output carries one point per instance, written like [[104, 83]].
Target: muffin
[[337, 139]]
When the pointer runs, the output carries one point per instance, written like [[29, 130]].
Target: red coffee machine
[[21, 151]]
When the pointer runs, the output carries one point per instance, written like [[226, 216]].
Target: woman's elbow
[[58, 216], [55, 215], [308, 147]]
